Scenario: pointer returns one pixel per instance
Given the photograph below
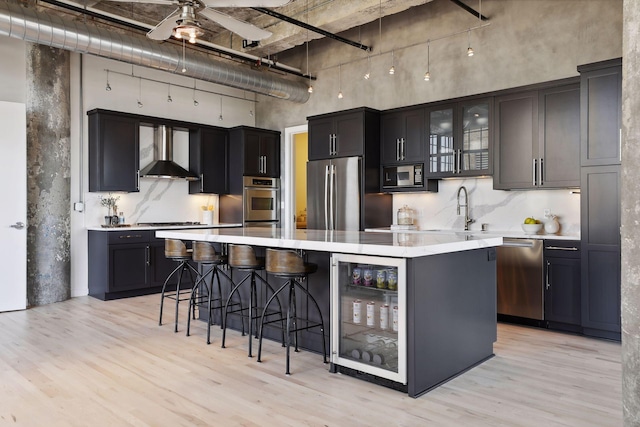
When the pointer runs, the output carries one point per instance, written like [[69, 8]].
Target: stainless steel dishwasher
[[520, 278]]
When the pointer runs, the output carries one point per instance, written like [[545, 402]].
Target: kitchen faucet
[[467, 220]]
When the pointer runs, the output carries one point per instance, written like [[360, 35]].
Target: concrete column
[[48, 175], [631, 213]]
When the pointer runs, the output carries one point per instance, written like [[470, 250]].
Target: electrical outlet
[[547, 212]]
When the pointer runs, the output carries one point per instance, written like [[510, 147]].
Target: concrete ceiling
[[334, 16]]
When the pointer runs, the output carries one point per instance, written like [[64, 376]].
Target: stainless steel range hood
[[163, 165]]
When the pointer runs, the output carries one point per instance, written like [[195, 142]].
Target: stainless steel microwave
[[405, 176]]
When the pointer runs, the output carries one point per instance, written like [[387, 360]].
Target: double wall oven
[[261, 201]]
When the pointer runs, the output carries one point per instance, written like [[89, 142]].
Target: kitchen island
[[446, 294]]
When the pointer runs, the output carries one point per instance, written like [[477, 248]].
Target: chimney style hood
[[163, 165]]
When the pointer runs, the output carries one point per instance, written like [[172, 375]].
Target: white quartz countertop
[[400, 245], [163, 227], [479, 234]]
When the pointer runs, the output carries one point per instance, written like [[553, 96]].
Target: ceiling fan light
[[188, 31]]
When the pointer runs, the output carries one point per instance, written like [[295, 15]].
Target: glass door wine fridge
[[368, 315]]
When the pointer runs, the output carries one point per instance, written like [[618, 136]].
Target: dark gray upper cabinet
[[601, 112], [559, 131], [402, 136], [114, 151], [538, 139], [255, 152], [459, 139], [342, 134], [208, 149]]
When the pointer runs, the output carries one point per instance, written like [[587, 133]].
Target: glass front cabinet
[[368, 315], [459, 139]]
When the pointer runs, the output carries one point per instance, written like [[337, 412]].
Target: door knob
[[17, 225]]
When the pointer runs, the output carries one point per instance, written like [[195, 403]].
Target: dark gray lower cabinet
[[126, 263], [600, 235], [562, 292]]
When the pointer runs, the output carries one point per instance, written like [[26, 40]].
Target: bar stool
[[177, 251], [202, 293], [243, 258], [287, 264]]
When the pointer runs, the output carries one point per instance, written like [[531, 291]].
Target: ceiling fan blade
[[167, 2], [164, 29], [244, 3], [243, 29]]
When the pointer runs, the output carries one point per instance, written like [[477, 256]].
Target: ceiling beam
[[470, 10], [310, 27]]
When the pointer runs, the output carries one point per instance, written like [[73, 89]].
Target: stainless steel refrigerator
[[336, 196]]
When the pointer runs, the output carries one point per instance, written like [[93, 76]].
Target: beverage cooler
[[368, 316]]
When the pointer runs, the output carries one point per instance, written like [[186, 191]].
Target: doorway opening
[[294, 177]]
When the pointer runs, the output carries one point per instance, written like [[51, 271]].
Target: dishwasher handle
[[561, 248], [516, 244]]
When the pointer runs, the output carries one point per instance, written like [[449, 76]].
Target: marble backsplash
[[500, 210], [159, 200]]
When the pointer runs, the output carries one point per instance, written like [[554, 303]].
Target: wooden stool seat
[[177, 251]]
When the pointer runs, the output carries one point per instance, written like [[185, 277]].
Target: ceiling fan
[[182, 23]]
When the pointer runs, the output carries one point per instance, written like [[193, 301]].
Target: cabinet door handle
[[330, 144], [547, 278], [397, 148], [541, 171], [335, 140], [138, 180], [459, 169], [534, 178], [561, 248], [264, 162], [129, 236], [148, 255], [202, 183], [402, 152]]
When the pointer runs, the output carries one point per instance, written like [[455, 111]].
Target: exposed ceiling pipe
[[52, 30]]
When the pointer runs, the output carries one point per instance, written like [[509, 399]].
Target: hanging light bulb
[[392, 70], [195, 102], [184, 55], [469, 49], [108, 87], [367, 75], [169, 99], [340, 81], [427, 75], [140, 92]]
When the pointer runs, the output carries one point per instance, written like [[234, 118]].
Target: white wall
[[158, 200]]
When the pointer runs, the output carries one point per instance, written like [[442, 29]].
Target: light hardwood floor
[[88, 362]]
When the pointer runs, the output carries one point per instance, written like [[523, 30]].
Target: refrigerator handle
[[332, 211], [326, 196]]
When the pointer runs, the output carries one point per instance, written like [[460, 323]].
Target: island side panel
[[451, 315]]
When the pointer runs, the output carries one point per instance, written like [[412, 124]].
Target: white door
[[13, 214]]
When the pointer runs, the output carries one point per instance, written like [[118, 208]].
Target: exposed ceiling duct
[[163, 165], [51, 30]]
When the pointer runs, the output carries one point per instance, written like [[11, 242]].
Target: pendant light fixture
[[169, 99], [310, 90], [367, 75], [108, 86], [340, 81], [469, 49], [220, 117], [392, 70], [140, 92], [427, 75], [195, 102]]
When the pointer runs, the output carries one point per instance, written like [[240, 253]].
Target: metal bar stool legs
[[177, 251], [242, 258], [289, 265]]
